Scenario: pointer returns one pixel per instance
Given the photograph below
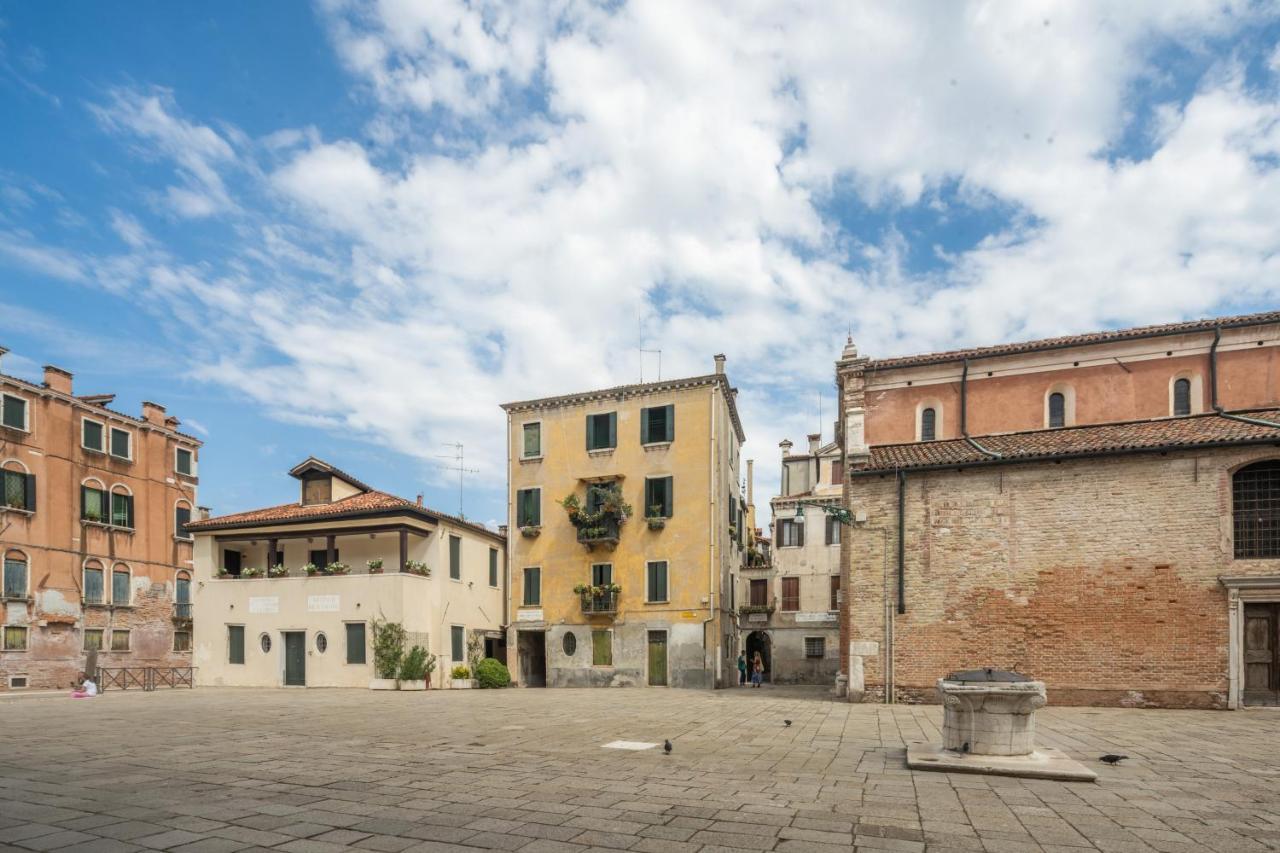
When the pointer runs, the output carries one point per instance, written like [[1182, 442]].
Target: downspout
[[711, 545], [1213, 386], [964, 412], [902, 550]]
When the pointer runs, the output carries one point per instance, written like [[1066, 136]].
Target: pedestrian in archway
[[757, 671], [742, 669]]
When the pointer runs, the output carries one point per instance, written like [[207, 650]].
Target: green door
[[658, 658], [295, 659]]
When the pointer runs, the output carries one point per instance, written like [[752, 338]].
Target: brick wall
[[1097, 576]]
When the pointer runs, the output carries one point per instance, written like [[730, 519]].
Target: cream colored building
[[441, 577], [660, 607]]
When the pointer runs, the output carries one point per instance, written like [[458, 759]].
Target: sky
[[352, 230]]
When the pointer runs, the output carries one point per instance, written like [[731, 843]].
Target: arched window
[[93, 501], [1182, 397], [15, 574], [1255, 493], [182, 596], [94, 583], [121, 584], [121, 507], [1057, 410], [17, 486], [928, 424], [181, 518]]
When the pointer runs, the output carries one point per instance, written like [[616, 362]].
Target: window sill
[[95, 604], [15, 429], [658, 602], [98, 451], [190, 540], [601, 451], [11, 651], [18, 509], [105, 526], [25, 598], [656, 445], [120, 458], [524, 459]]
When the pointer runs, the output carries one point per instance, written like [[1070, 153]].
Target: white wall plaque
[[264, 604], [322, 603], [528, 615], [815, 617]]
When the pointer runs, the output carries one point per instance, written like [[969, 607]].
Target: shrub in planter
[[491, 673], [277, 571], [388, 647], [251, 572], [337, 569], [416, 665], [460, 672], [375, 565], [417, 567], [223, 573], [310, 568]]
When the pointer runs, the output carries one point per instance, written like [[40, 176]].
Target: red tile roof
[[363, 503], [1205, 325], [1207, 430]]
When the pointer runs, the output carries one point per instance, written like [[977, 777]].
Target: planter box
[[413, 685], [384, 684], [462, 683]]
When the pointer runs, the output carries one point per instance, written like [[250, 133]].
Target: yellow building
[[600, 597]]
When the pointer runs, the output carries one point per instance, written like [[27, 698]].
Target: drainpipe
[[711, 545], [1213, 386], [902, 531], [964, 411]]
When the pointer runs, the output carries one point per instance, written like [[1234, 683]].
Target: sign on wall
[[528, 615], [264, 604], [323, 603], [815, 617]]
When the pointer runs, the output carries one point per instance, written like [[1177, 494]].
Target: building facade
[[789, 604], [287, 595], [1101, 512], [97, 561], [605, 597]]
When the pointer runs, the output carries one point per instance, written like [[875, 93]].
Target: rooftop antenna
[[643, 351], [458, 458]]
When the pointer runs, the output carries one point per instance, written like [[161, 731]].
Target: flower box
[[462, 683], [383, 684], [530, 532]]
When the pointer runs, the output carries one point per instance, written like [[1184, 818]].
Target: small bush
[[414, 665], [460, 671], [492, 673]]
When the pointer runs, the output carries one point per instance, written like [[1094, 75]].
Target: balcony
[[599, 602], [182, 611], [606, 533], [756, 614], [757, 566]]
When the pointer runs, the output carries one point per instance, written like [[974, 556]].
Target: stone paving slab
[[226, 771]]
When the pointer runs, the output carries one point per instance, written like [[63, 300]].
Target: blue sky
[[352, 230]]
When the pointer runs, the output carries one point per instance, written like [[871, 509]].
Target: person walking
[[757, 671], [742, 669]]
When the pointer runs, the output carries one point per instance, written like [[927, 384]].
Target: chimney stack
[[418, 500], [785, 444], [153, 413], [502, 529], [202, 513], [814, 438], [720, 363], [57, 379]]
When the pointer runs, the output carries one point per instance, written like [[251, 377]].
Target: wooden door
[[658, 658], [295, 659], [1262, 654]]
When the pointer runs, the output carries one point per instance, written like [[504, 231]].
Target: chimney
[[720, 363], [502, 530], [153, 413], [751, 478], [418, 500], [172, 423], [785, 444], [814, 438], [57, 379], [202, 513]]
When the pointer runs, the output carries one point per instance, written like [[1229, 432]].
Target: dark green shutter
[[613, 429], [644, 427], [671, 423], [31, 492], [355, 643], [535, 507], [591, 433], [667, 499]]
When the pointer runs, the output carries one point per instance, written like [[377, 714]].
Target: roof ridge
[[1068, 429]]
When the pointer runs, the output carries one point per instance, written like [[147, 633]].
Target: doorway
[[758, 641], [531, 647], [295, 659], [1261, 654], [657, 658]]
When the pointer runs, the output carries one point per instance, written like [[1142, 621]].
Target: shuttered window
[[790, 533], [602, 648], [94, 584], [121, 443], [791, 593], [181, 518], [92, 436], [18, 490], [657, 497], [184, 461], [532, 434], [493, 567], [455, 557], [835, 593], [532, 587], [121, 510], [759, 592], [602, 431], [120, 592], [657, 424], [355, 643], [15, 575], [457, 643], [602, 574], [528, 507], [656, 581], [13, 412], [93, 504], [833, 530], [235, 644]]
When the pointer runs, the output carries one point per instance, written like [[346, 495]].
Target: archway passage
[[758, 641]]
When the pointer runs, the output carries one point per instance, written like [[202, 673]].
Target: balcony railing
[[605, 602], [757, 566], [182, 611], [604, 533]]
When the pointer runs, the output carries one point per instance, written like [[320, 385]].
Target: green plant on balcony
[[655, 518], [608, 512], [251, 572], [417, 567], [277, 571], [310, 569], [375, 565], [748, 609], [223, 573], [337, 569]]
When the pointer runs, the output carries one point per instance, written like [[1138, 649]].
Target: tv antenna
[[643, 351], [458, 457]]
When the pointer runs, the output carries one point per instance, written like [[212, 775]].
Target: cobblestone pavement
[[209, 771]]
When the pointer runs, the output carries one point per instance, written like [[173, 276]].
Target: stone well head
[[990, 711]]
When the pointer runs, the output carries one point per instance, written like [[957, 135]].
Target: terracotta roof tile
[[1097, 440], [1076, 340], [365, 502]]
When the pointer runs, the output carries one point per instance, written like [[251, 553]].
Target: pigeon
[[1112, 759], [666, 747], [788, 722]]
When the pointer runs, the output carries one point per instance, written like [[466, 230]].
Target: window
[[317, 490], [529, 507], [19, 490], [231, 561], [790, 532], [182, 597], [181, 518], [657, 424], [532, 447], [833, 530], [355, 643], [93, 504], [184, 461], [759, 592], [121, 509], [657, 497], [15, 638], [1057, 410], [602, 574], [1182, 397], [928, 424], [790, 594], [92, 436], [457, 643], [182, 641], [602, 431], [455, 557], [656, 581], [235, 644], [15, 575], [570, 643], [119, 640], [837, 472], [13, 412], [835, 593], [493, 567], [532, 587], [121, 443], [1255, 493], [93, 639], [94, 583], [121, 592], [601, 648], [264, 642], [815, 647], [322, 643], [319, 557]]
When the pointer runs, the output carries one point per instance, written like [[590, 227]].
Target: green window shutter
[[591, 432], [235, 641], [644, 427], [613, 429], [31, 492], [649, 498], [455, 557], [493, 567], [601, 648], [355, 643], [666, 497], [535, 507], [671, 423]]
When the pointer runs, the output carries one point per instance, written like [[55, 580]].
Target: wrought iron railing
[[606, 602], [182, 611], [606, 531]]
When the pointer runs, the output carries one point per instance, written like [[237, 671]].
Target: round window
[[322, 643], [570, 644], [265, 642]]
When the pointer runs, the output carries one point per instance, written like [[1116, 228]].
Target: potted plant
[[656, 519], [602, 523], [94, 515], [417, 567], [530, 531], [460, 677], [250, 572], [310, 569], [337, 569], [277, 571], [388, 654], [415, 669], [223, 573], [375, 565]]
